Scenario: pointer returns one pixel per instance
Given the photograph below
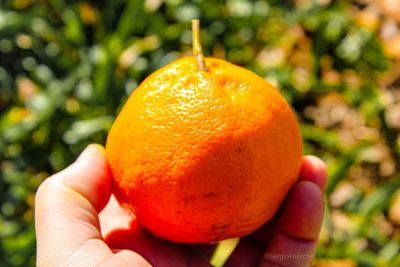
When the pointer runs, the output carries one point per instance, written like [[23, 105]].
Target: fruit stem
[[197, 50]]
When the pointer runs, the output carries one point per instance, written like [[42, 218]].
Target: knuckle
[[47, 186]]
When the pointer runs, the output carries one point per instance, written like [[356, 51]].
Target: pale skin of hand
[[79, 223]]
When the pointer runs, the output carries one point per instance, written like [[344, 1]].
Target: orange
[[204, 155]]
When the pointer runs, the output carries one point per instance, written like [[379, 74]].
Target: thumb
[[67, 204]]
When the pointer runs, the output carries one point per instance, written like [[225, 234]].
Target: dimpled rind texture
[[202, 156]]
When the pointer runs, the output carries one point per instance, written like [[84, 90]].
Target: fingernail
[[89, 150]]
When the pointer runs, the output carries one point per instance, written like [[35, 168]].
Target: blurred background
[[66, 67]]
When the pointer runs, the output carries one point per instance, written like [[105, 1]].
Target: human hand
[[79, 223]]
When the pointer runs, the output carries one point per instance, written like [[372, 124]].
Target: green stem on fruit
[[197, 50]]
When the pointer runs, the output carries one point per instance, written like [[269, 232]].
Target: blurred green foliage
[[66, 67]]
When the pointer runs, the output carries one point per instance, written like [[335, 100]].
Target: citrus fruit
[[204, 150]]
